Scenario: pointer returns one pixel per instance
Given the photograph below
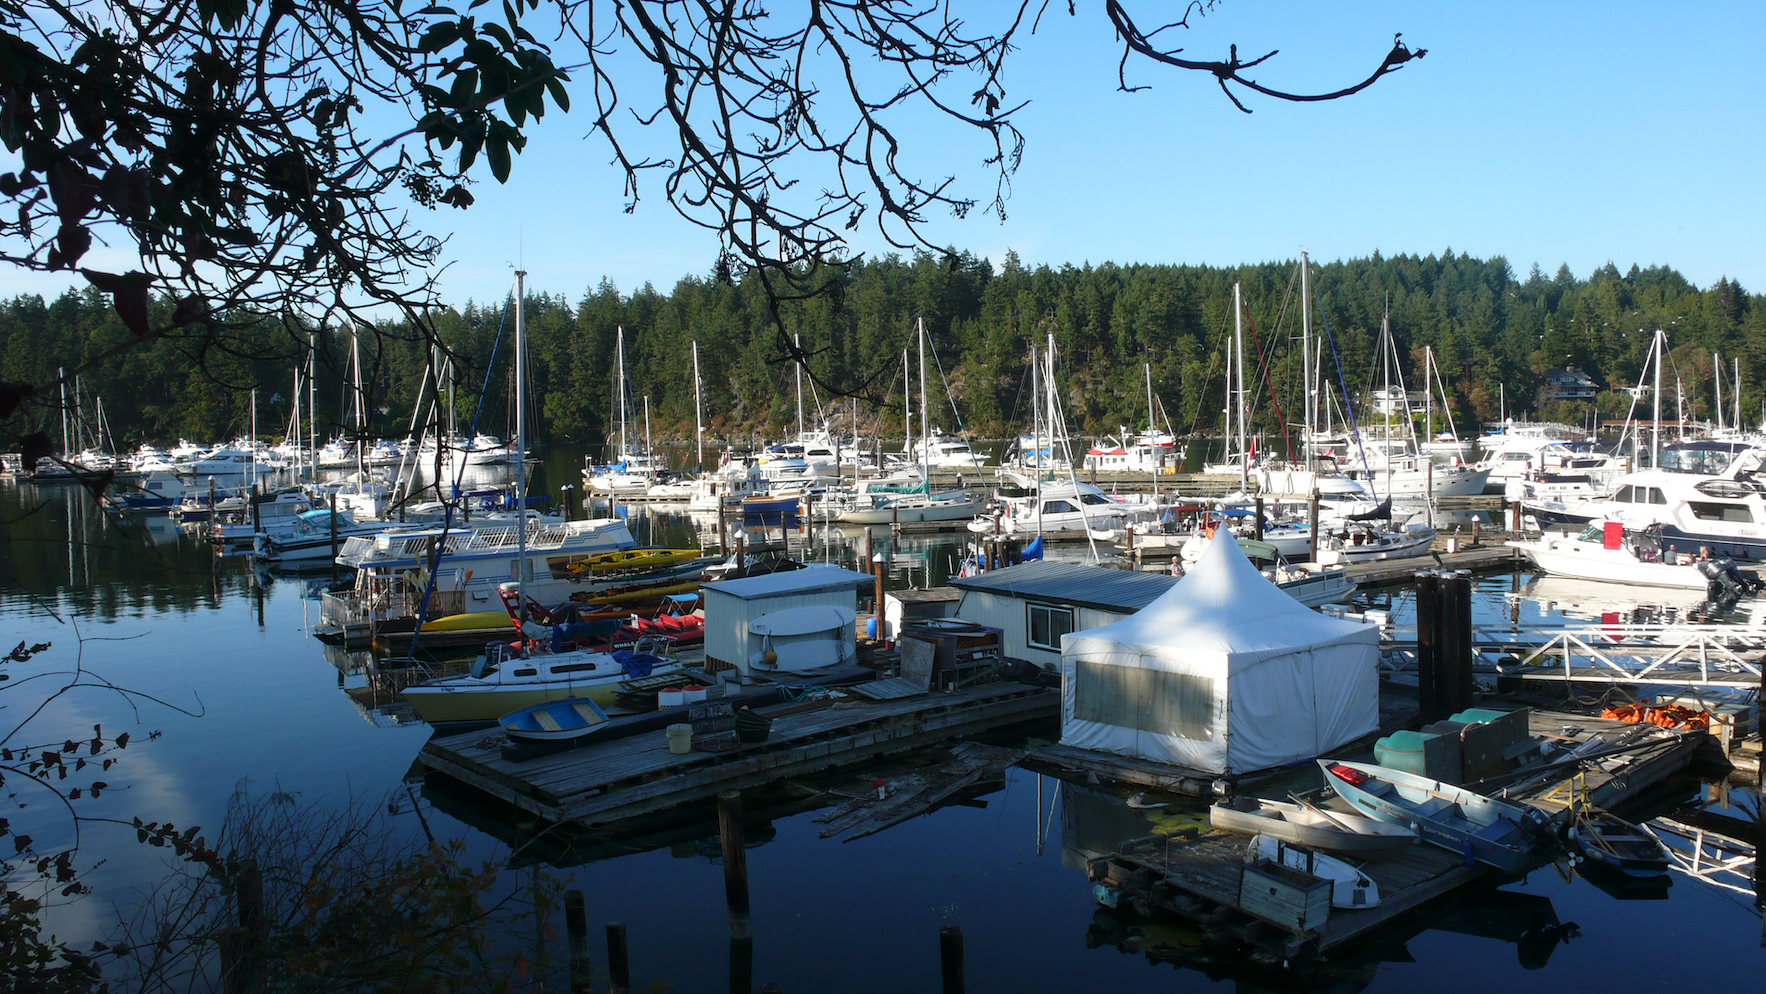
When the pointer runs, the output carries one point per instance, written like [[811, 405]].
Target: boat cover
[[1224, 673]]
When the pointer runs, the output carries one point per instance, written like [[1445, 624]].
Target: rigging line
[[1348, 408], [1215, 352], [962, 432], [1264, 362]]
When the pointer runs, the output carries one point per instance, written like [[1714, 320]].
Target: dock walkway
[[1199, 879], [633, 776]]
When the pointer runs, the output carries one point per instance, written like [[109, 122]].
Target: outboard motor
[[1725, 579]]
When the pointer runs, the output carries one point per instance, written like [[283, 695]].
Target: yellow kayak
[[469, 622], [619, 594], [634, 559]]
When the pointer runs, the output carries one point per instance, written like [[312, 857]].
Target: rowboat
[[1350, 888], [1605, 838], [554, 721], [1349, 834], [1501, 834]]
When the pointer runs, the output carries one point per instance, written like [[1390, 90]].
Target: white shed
[[1035, 603], [1223, 674], [731, 605]]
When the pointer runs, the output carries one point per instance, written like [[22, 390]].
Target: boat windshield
[[1594, 533], [1703, 458]]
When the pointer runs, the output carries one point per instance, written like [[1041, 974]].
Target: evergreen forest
[[1495, 335]]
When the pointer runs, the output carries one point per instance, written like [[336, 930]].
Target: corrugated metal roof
[[1126, 591], [810, 579]]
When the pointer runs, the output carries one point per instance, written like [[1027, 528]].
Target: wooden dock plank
[[637, 775]]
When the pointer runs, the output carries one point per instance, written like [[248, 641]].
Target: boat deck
[[638, 775], [1199, 879]]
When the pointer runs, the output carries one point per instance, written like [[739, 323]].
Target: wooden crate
[[1284, 896]]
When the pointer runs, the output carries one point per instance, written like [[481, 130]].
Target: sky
[[1570, 133]]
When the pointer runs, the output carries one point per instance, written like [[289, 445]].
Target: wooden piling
[[735, 851], [576, 928], [895, 520], [877, 564], [1258, 527], [257, 521], [1474, 533], [1312, 539], [723, 529], [619, 967], [950, 958], [1428, 645], [333, 535]]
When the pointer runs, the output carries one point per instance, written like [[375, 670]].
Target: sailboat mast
[[1655, 442], [61, 374], [1035, 416], [1308, 393], [1428, 397], [1736, 393], [907, 408], [619, 391], [698, 414], [312, 407], [520, 441], [254, 435], [797, 367], [1717, 370], [1152, 436], [1239, 349], [925, 446], [356, 368], [649, 448]]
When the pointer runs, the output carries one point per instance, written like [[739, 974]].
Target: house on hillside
[[1567, 383]]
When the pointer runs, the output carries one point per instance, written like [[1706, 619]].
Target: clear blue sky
[[1553, 133]]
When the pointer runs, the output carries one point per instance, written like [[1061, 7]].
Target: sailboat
[[630, 471], [510, 676], [1150, 451]]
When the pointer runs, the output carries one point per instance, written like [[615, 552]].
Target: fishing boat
[[1350, 888], [1501, 834], [1605, 838], [1312, 827], [554, 721]]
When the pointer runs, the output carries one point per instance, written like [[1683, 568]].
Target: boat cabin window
[[1623, 496], [1157, 701], [1093, 500], [574, 668], [1715, 511], [1048, 624], [525, 671], [1656, 496], [1514, 456], [1058, 507]]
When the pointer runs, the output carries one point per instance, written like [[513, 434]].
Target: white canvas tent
[[1224, 673]]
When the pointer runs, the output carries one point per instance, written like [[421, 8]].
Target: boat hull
[[1502, 836], [1293, 823], [1586, 561], [487, 703]]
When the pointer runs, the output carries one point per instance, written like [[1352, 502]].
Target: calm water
[[159, 615]]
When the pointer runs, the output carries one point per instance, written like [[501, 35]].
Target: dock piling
[[735, 852], [950, 958], [576, 928], [333, 536], [1258, 527], [619, 968], [1312, 539]]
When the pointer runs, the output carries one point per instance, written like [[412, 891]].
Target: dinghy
[[554, 721], [1350, 888], [1501, 834], [1605, 838], [1311, 827]]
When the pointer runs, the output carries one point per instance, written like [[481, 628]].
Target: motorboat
[[1502, 834], [944, 452], [1065, 510], [221, 461], [1361, 544], [1607, 552], [309, 537], [506, 679], [1707, 493]]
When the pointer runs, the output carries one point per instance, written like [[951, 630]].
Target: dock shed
[[731, 605], [1036, 603], [904, 607]]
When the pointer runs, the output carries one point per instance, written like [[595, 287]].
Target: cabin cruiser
[[1065, 509], [307, 538], [1393, 468], [1708, 493], [944, 452], [1606, 552], [1148, 452], [220, 461], [1524, 456]]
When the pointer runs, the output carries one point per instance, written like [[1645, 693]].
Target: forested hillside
[[1487, 325]]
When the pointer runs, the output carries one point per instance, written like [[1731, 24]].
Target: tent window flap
[[1147, 700]]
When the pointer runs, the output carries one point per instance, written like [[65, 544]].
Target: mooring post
[[1474, 533], [619, 968], [723, 526], [895, 521], [1312, 540], [1428, 643], [740, 561], [334, 536], [877, 562], [729, 827], [1466, 688], [576, 929], [950, 957], [1258, 527], [257, 521]]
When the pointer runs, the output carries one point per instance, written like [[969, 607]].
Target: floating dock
[[1199, 879], [624, 778]]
